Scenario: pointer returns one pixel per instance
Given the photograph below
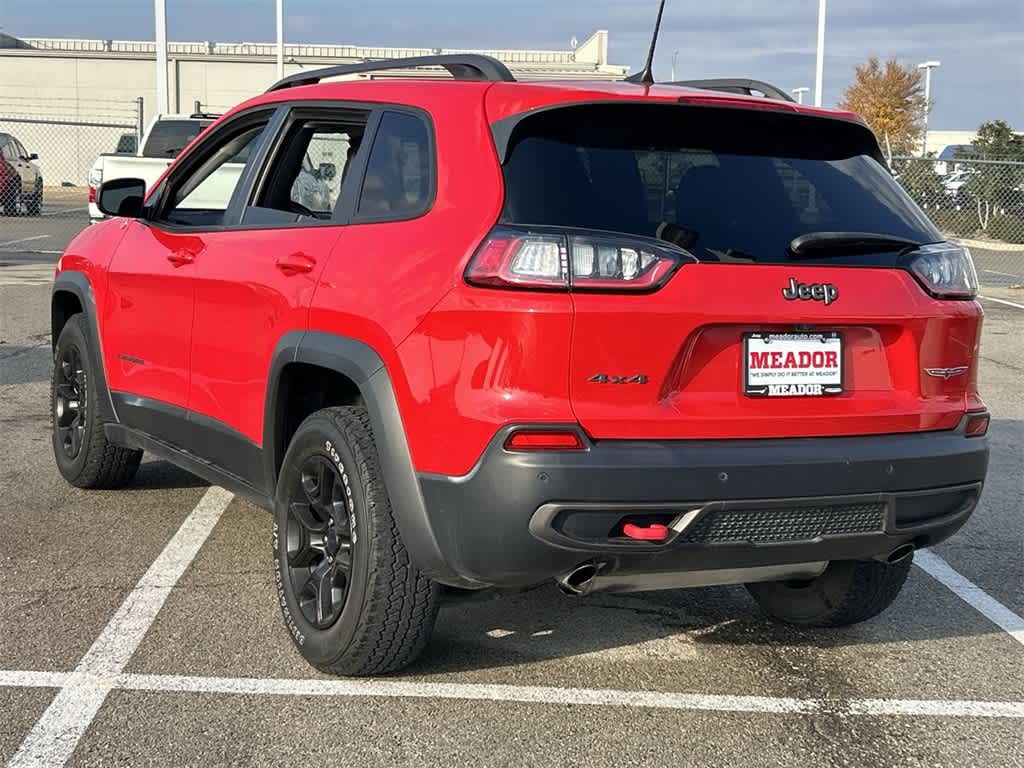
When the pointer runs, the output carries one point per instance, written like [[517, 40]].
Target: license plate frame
[[802, 381]]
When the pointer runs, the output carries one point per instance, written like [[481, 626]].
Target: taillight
[[557, 259], [945, 270], [94, 180]]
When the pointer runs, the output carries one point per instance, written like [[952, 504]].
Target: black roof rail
[[462, 66], [737, 85]]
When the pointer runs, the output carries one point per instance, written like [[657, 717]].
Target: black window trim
[[344, 212]]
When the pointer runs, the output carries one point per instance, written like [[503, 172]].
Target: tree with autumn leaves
[[891, 98]]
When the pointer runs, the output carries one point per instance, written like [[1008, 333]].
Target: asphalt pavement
[[697, 677]]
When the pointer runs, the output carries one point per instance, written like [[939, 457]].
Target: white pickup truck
[[166, 136]]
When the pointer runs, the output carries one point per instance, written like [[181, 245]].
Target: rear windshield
[[168, 137], [727, 184]]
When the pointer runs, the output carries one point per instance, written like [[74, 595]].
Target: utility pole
[[160, 12], [280, 39], [927, 66], [819, 74], [675, 55], [799, 93]]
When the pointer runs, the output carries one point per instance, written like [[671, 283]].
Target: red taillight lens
[[514, 257], [977, 424], [544, 440], [92, 194]]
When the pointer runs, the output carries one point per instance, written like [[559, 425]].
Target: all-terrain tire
[[389, 607], [91, 461], [847, 592]]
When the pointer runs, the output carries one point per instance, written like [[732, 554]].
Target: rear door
[[747, 338], [256, 277]]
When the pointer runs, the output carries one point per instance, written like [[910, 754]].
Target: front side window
[[201, 195], [399, 180]]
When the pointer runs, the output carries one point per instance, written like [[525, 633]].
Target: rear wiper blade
[[818, 244]]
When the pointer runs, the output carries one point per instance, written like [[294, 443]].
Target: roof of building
[[587, 60]]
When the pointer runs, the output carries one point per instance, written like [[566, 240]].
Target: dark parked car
[[21, 182]]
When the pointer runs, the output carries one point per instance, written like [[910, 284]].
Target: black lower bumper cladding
[[520, 518]]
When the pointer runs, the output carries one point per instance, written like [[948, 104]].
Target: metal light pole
[[675, 55], [160, 12], [799, 93], [819, 74], [280, 39], [927, 66]]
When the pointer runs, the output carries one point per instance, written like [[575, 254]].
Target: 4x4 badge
[[825, 292]]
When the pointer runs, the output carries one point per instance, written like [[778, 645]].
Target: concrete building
[[49, 86]]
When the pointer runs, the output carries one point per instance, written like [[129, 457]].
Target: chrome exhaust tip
[[900, 553], [578, 580]]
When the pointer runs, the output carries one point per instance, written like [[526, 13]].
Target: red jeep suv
[[618, 335]]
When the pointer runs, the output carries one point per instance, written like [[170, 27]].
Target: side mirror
[[122, 197], [33, 156], [328, 171]]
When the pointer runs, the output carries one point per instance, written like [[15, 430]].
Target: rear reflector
[[652, 532], [544, 440], [977, 424]]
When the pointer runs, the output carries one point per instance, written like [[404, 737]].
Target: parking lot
[[140, 626]]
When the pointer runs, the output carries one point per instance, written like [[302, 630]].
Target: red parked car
[[617, 335]]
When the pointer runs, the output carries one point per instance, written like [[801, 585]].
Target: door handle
[[296, 263], [181, 258]]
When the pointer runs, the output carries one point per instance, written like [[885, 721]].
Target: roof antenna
[[646, 76]]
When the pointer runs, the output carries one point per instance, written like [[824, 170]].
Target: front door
[[151, 280]]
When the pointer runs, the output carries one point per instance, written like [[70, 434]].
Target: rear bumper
[[521, 518]]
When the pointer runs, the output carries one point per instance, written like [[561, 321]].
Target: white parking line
[[527, 694], [23, 240], [971, 594], [54, 737], [1002, 301]]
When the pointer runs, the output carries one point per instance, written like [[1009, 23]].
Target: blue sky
[[980, 43]]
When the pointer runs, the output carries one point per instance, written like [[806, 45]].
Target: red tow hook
[[652, 532]]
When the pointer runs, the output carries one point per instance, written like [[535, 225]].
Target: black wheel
[[847, 592], [34, 204], [353, 602], [84, 456]]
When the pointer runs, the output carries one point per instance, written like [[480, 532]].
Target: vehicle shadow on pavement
[[162, 475], [545, 625]]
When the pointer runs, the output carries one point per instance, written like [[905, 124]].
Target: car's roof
[[505, 99]]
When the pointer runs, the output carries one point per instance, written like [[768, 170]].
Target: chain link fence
[[51, 144], [980, 201]]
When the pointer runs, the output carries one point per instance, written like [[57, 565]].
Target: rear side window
[[168, 137], [726, 184], [399, 173]]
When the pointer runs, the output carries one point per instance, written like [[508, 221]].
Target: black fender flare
[[364, 367], [77, 284]]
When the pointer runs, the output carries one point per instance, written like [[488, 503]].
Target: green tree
[[993, 184], [891, 98]]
